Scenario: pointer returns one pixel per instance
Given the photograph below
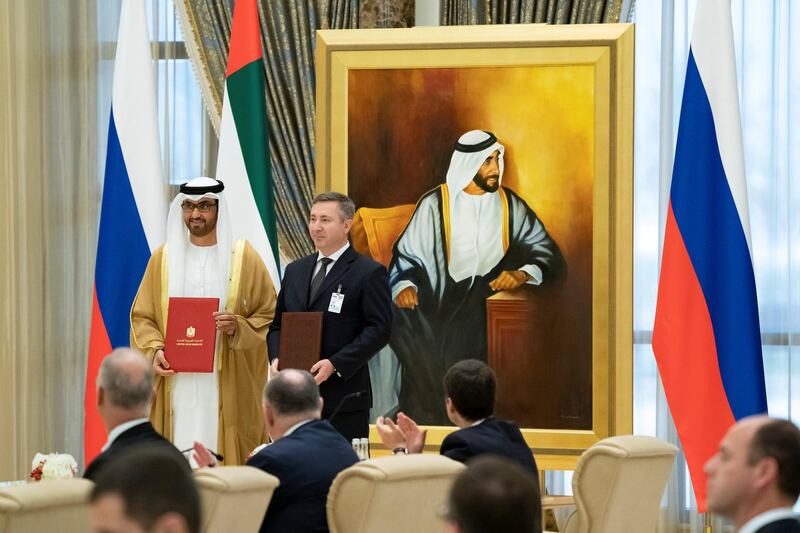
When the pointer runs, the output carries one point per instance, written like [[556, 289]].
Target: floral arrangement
[[53, 466]]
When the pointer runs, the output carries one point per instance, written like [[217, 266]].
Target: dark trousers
[[352, 424]]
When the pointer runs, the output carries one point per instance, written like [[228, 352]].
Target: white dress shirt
[[120, 429], [334, 257], [299, 424], [773, 515]]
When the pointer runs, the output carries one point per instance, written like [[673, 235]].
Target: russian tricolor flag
[[134, 208], [706, 336]]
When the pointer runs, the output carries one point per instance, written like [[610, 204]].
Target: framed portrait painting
[[492, 171]]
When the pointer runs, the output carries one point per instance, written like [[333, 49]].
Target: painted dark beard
[[483, 183]]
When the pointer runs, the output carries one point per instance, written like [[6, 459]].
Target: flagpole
[[707, 527]]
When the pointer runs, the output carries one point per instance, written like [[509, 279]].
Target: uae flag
[[243, 160]]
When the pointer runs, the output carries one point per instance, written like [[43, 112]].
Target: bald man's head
[[126, 379], [757, 468], [292, 392]]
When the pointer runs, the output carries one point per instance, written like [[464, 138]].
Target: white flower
[[59, 466]]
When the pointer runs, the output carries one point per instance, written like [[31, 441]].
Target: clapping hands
[[403, 434]]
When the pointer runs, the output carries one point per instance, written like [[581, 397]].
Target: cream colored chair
[[618, 484], [390, 494], [59, 505], [234, 498]]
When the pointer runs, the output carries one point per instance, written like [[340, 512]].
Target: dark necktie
[[316, 283]]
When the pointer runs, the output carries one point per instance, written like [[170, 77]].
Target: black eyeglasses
[[203, 207]]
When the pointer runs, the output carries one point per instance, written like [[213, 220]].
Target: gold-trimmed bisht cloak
[[241, 360]]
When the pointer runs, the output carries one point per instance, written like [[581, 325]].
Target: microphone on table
[[339, 405], [217, 456]]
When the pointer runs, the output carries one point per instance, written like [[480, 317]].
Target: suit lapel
[[338, 269]]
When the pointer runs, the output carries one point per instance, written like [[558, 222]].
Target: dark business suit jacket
[[141, 434], [495, 437], [305, 462], [349, 338], [785, 525], [491, 436]]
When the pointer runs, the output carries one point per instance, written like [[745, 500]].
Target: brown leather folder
[[301, 340]]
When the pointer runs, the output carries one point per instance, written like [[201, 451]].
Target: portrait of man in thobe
[[202, 259], [466, 240]]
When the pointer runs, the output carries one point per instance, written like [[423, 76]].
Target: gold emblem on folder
[[190, 331]]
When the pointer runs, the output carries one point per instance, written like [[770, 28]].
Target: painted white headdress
[[470, 152]]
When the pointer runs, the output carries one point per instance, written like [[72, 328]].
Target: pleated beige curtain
[[463, 12], [49, 186], [287, 27]]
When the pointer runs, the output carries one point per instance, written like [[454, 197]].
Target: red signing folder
[[191, 334]]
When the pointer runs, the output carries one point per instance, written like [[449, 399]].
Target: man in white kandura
[[467, 239], [206, 261]]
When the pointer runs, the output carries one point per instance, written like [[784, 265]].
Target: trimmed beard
[[483, 183]]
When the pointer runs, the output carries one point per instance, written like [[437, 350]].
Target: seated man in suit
[[493, 494], [754, 479], [124, 394], [470, 389], [307, 453], [147, 489]]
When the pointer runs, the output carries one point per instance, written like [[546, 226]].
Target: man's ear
[[171, 522], [766, 472], [451, 527], [321, 403], [348, 224], [101, 396]]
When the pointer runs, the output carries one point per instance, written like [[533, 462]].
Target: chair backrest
[[234, 498], [618, 484], [375, 230], [391, 494], [59, 505]]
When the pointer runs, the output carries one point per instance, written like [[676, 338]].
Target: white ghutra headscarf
[[201, 188]]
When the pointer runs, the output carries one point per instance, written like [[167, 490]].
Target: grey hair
[[123, 387], [346, 206], [292, 392]]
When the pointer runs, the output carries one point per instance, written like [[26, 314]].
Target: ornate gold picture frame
[[390, 105]]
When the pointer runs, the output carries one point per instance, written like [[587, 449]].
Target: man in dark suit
[[306, 454], [124, 393], [147, 488], [470, 387], [754, 479], [493, 494], [352, 292]]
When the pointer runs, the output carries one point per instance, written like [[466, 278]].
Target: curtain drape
[[48, 181], [463, 12], [288, 30]]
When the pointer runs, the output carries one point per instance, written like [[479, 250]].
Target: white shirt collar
[[335, 255], [120, 429], [477, 422], [294, 427], [773, 515]]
